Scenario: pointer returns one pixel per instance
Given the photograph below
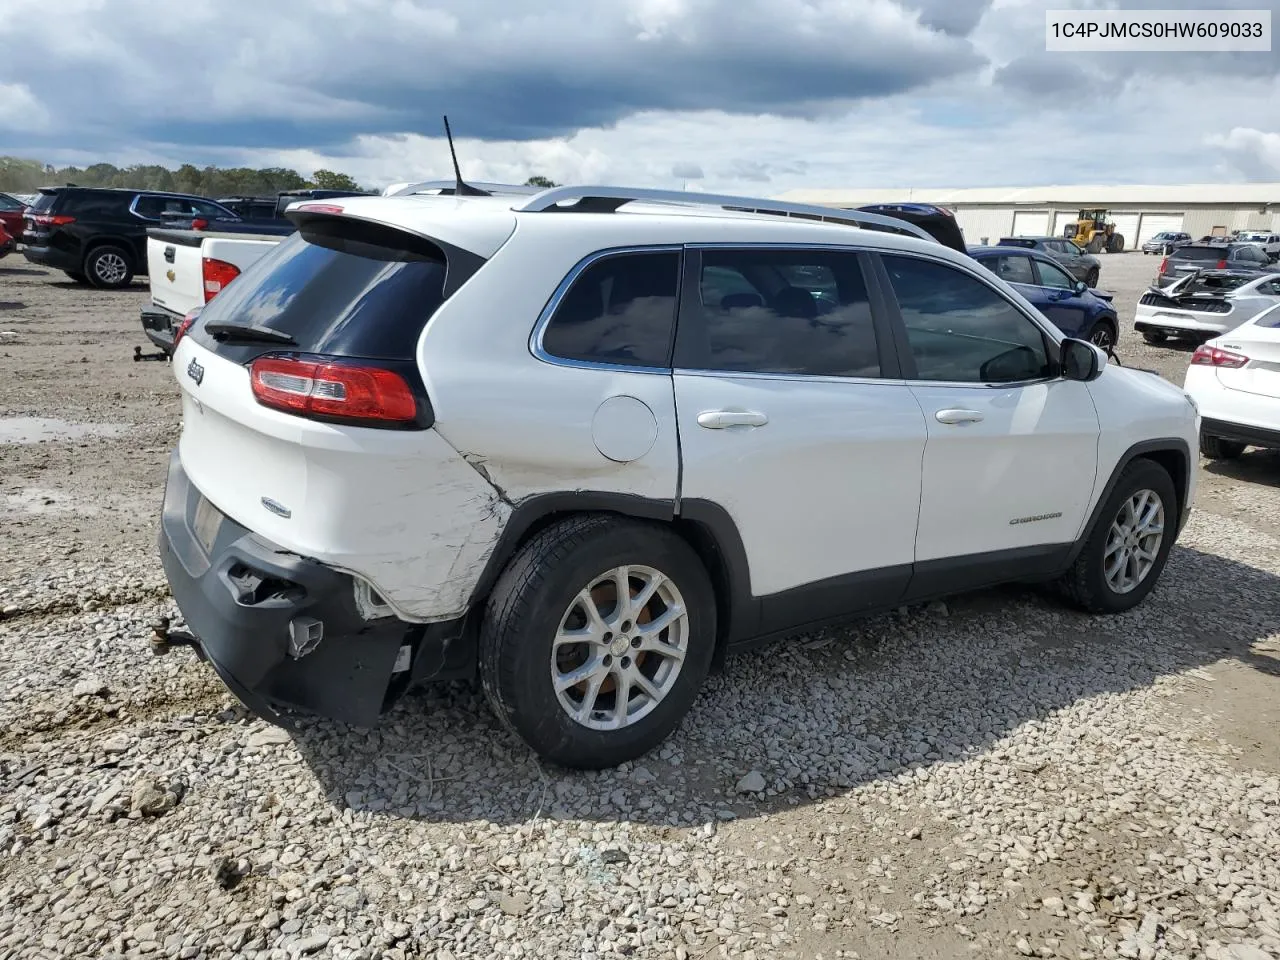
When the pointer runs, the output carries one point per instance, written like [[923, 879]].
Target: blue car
[[1070, 304]]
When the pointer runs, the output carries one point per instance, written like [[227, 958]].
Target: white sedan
[[1234, 380], [1204, 304]]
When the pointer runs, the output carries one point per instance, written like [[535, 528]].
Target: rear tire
[[1096, 245], [1122, 559], [540, 602], [109, 267], [77, 276], [1216, 448], [1154, 336]]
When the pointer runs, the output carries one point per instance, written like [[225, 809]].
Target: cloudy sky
[[756, 96]]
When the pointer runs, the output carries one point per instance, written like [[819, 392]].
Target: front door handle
[[958, 416], [722, 419]]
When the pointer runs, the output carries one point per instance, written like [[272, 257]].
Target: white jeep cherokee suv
[[583, 443]]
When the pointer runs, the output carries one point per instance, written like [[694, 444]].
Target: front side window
[[779, 311], [620, 310], [1053, 276], [962, 331], [209, 209]]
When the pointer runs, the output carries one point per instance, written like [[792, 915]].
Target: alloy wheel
[[620, 647], [1134, 541]]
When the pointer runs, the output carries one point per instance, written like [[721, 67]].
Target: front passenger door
[[1066, 308], [1011, 454]]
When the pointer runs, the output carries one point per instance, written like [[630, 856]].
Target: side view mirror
[[1081, 287], [1081, 361]]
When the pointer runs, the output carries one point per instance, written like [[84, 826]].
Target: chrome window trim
[[537, 349]]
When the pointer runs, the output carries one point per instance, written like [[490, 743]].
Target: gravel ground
[[993, 776]]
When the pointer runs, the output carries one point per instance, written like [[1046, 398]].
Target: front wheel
[[1103, 334], [1129, 544], [1215, 448], [109, 268], [596, 640], [1092, 278]]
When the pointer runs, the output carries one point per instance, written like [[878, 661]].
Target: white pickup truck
[[187, 269], [1268, 240]]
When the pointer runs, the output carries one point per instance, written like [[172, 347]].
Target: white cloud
[[1253, 153], [757, 96], [20, 110]]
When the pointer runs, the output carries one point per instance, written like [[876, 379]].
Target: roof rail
[[609, 199], [445, 188]]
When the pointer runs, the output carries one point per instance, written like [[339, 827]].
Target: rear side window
[[962, 331], [347, 290], [797, 312], [88, 204], [8, 203], [621, 309]]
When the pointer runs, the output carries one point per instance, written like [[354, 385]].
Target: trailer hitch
[[163, 639], [139, 355]]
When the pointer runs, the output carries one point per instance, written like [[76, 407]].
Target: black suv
[[99, 235]]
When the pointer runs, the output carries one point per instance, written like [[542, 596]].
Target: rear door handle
[[958, 416], [722, 419]]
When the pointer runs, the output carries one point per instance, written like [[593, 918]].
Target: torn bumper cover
[[282, 631]]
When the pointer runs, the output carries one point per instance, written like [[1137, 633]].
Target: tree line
[[27, 176]]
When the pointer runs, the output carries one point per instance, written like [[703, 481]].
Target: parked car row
[[98, 236]]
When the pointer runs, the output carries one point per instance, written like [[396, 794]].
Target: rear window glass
[[341, 290], [1200, 253], [43, 202]]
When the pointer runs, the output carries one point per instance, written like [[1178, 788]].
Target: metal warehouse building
[[1139, 212]]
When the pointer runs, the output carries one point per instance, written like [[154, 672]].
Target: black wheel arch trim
[[1142, 449], [706, 525]]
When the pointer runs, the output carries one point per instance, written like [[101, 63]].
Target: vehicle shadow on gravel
[[1256, 466], [814, 715], [20, 272]]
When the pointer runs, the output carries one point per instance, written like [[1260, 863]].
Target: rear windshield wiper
[[247, 334]]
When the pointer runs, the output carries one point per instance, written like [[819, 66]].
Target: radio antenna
[[462, 189]]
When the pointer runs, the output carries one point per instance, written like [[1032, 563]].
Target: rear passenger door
[[793, 418]]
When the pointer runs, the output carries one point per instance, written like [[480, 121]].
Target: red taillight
[[217, 274], [1222, 265], [1207, 356], [51, 220], [334, 389], [199, 223], [184, 326], [1164, 265], [319, 207]]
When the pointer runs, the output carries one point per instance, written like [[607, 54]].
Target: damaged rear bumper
[[285, 632]]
